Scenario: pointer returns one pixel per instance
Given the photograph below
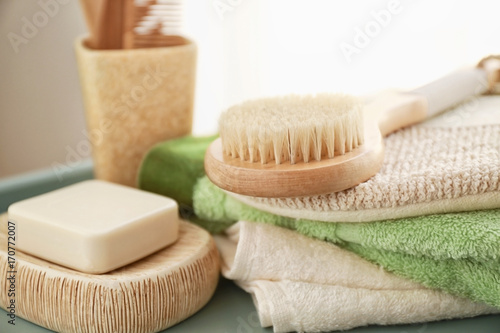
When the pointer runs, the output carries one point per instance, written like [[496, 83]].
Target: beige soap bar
[[94, 226]]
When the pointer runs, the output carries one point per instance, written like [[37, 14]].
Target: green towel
[[172, 167], [458, 252]]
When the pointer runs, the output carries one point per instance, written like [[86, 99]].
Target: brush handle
[[395, 111], [109, 29], [404, 109], [90, 10], [104, 22], [453, 89]]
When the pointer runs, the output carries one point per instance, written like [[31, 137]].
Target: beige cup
[[134, 99]]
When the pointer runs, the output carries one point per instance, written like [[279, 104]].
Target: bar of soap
[[95, 226]]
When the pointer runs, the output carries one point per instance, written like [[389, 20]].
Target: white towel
[[450, 163], [306, 285]]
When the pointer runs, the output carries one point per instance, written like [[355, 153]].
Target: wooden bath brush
[[308, 145]]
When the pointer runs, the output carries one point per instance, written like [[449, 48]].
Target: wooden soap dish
[[147, 296]]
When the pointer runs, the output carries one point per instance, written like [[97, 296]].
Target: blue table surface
[[230, 309]]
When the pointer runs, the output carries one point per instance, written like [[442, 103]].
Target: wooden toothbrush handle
[[90, 12], [399, 110], [108, 25]]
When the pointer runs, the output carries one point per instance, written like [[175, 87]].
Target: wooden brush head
[[292, 128], [294, 146]]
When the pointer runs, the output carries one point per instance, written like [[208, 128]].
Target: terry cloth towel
[[455, 252], [337, 290], [448, 164]]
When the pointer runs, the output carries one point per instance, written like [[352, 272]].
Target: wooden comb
[[152, 23]]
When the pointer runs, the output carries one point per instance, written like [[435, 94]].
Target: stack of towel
[[420, 241]]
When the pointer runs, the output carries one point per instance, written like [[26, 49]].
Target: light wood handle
[[395, 111], [108, 23], [91, 10], [392, 112], [453, 88]]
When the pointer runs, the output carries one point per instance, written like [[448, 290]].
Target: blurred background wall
[[247, 49]]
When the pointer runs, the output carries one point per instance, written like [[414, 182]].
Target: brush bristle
[[292, 128]]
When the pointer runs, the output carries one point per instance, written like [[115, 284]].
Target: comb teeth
[[292, 128], [164, 17], [153, 23]]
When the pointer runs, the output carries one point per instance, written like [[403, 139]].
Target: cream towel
[[301, 284], [448, 164]]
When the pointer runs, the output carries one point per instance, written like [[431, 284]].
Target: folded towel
[[471, 235], [449, 164], [456, 252], [336, 290], [256, 251]]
